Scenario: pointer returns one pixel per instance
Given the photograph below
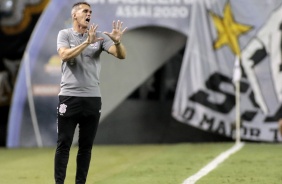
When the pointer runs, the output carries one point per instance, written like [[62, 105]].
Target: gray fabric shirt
[[80, 76]]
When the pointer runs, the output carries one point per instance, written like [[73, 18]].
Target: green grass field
[[149, 164]]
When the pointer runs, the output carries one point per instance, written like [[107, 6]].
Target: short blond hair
[[75, 6]]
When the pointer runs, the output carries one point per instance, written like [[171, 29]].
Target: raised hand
[[117, 31], [92, 34]]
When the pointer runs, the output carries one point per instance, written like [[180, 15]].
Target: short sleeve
[[107, 41], [62, 39]]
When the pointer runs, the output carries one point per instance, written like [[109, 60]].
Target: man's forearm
[[120, 51], [70, 53]]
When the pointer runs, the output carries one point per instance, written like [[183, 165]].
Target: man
[[79, 99]]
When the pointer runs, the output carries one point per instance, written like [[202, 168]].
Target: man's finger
[[95, 27], [124, 30], [118, 25]]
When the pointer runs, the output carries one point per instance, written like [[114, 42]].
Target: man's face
[[83, 15]]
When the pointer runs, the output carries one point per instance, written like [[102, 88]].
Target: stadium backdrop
[[218, 32]]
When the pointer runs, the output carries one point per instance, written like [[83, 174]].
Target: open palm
[[117, 31]]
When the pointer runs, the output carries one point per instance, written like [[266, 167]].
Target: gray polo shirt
[[80, 76]]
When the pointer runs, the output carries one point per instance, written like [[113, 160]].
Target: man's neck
[[80, 29]]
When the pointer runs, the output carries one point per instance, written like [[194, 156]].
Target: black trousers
[[73, 111]]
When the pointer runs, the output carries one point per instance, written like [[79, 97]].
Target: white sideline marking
[[213, 164]]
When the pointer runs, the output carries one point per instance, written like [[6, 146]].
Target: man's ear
[[73, 16]]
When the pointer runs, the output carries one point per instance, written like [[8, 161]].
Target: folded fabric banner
[[223, 31]]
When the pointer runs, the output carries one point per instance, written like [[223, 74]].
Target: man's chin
[[85, 26]]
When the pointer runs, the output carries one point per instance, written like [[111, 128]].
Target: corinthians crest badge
[[62, 109]]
